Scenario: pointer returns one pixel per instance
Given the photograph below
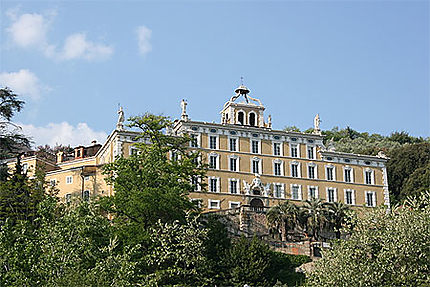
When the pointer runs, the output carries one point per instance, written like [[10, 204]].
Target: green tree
[[384, 249], [337, 214], [12, 141], [283, 217], [401, 167], [148, 186], [314, 217], [292, 129]]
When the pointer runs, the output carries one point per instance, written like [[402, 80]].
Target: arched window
[[240, 118], [252, 119]]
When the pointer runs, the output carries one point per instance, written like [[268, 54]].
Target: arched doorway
[[257, 205]]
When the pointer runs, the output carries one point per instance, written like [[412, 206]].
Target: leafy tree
[[337, 214], [314, 216], [148, 186], [418, 182], [249, 262], [12, 142], [283, 217], [384, 249], [402, 165], [291, 129]]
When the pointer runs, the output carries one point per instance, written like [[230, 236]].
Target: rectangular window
[[69, 179], [295, 192], [370, 199], [330, 195], [233, 186], [311, 152], [86, 195], [295, 170], [312, 192], [349, 196], [68, 197], [330, 173], [233, 164], [25, 167], [347, 175], [212, 142], [53, 182], [197, 202], [213, 185], [256, 166], [194, 140], [276, 148], [233, 204], [311, 171], [278, 191], [254, 145], [277, 168], [174, 156], [214, 204], [233, 144], [213, 161], [195, 183], [368, 175], [294, 151]]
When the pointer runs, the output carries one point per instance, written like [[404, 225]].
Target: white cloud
[[23, 83], [77, 46], [143, 37], [30, 31], [63, 133]]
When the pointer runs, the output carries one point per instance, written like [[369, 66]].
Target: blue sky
[[363, 64]]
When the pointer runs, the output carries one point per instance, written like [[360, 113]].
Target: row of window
[[255, 146], [69, 180], [295, 171], [296, 191], [85, 196]]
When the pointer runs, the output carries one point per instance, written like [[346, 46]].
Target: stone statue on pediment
[[120, 122]]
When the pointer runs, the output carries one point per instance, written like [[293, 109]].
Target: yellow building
[[250, 163]]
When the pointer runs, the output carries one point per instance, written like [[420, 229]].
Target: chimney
[[60, 156], [94, 142]]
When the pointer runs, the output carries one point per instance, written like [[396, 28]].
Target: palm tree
[[283, 217], [314, 216], [337, 213]]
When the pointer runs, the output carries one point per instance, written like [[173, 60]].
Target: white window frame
[[237, 185], [334, 194], [172, 153], [237, 143], [233, 156], [281, 148], [275, 184], [215, 201], [245, 117], [299, 194], [374, 198], [216, 141], [69, 179], [326, 173], [198, 185], [230, 203], [316, 191], [214, 154], [297, 145], [299, 174], [351, 173], [218, 184], [352, 196], [313, 151], [281, 168], [68, 197], [89, 194], [260, 168], [53, 182], [315, 170], [372, 175], [198, 140], [24, 167], [259, 145]]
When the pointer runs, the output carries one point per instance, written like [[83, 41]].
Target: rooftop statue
[[120, 122]]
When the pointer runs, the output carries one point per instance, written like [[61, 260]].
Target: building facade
[[249, 162]]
